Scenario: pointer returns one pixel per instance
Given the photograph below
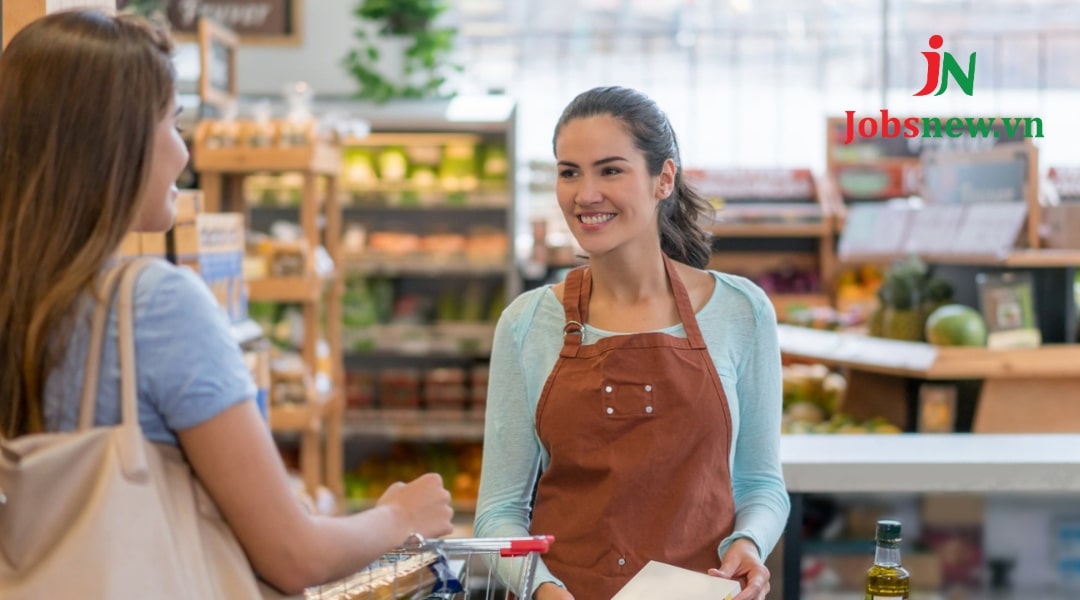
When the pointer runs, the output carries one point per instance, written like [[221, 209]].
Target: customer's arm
[[192, 373], [234, 456]]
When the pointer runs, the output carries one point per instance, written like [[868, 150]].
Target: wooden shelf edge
[[1046, 258], [811, 230], [925, 361], [287, 289], [286, 418], [320, 159]]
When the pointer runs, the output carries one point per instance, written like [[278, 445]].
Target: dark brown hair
[[81, 94], [681, 235]]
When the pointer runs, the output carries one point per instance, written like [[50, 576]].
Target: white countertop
[[1036, 463]]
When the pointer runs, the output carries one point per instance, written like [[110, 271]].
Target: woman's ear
[[665, 181]]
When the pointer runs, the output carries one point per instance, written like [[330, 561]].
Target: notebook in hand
[[661, 580]]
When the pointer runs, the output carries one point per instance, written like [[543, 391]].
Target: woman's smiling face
[[604, 187]]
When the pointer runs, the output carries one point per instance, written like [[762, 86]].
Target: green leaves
[[426, 56]]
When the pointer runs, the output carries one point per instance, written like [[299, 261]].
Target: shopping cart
[[444, 569]]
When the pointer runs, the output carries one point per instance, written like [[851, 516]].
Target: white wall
[[327, 37]]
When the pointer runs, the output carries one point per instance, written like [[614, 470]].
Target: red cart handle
[[522, 547]]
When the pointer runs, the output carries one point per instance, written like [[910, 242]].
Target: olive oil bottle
[[887, 578]]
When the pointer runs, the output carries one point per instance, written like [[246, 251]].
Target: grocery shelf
[[415, 425], [782, 230]]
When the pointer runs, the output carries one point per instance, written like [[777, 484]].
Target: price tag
[[933, 229], [990, 229], [875, 230]]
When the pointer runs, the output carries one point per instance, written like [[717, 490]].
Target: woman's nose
[[589, 191]]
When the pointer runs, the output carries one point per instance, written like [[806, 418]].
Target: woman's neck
[[629, 278]]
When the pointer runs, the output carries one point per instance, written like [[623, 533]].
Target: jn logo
[[937, 69]]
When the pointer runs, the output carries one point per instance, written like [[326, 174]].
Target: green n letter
[[966, 81]]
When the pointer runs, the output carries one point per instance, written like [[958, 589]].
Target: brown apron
[[638, 431]]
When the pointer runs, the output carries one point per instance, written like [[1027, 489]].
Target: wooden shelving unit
[[1033, 390], [222, 169], [773, 220]]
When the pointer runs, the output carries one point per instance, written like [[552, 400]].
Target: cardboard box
[[1061, 226], [213, 246]]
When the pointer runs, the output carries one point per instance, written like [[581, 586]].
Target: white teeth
[[596, 219]]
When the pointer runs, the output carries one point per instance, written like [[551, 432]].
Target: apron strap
[[684, 306], [576, 306]]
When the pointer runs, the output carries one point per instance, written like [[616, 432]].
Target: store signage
[[941, 66], [259, 19], [753, 184]]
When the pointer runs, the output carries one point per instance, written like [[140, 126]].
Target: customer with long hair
[[89, 151]]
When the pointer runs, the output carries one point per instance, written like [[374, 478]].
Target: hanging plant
[[402, 54]]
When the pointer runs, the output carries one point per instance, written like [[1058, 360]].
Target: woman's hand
[[550, 591], [423, 503], [742, 562]]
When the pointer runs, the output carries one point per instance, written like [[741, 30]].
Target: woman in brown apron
[[632, 430]]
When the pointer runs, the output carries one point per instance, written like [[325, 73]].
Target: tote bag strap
[[132, 447], [105, 291]]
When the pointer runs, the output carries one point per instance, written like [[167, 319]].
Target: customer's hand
[[423, 503], [550, 591], [742, 562]]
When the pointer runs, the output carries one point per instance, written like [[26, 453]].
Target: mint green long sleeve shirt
[[739, 326]]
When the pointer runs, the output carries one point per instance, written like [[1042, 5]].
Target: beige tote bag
[[104, 513]]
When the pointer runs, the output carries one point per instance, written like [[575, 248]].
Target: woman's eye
[[567, 173], [611, 171]]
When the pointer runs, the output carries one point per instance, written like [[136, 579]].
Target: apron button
[[610, 410], [648, 409], [608, 389], [648, 388], [622, 561]]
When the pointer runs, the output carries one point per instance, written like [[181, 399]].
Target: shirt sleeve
[[761, 499], [190, 368], [511, 459]]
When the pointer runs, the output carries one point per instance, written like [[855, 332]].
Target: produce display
[[908, 294], [457, 463], [813, 401], [956, 325]]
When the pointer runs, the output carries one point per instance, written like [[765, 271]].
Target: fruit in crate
[[956, 325], [811, 393], [906, 296]]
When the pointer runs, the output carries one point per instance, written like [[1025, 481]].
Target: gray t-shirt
[[189, 368]]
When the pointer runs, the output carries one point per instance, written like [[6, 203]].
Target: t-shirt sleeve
[[190, 368]]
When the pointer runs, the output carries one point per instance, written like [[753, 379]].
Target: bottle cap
[[888, 531]]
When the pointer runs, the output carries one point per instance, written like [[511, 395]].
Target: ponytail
[[682, 237]]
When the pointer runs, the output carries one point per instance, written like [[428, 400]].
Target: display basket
[[443, 569]]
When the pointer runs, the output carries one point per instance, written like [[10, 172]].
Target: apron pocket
[[629, 400]]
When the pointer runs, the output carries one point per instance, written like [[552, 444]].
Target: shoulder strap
[[122, 276]]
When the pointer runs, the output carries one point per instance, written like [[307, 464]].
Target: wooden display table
[[919, 463], [1033, 390]]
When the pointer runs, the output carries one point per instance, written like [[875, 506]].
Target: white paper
[[661, 580]]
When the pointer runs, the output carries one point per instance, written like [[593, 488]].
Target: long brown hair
[[681, 235], [81, 94]]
